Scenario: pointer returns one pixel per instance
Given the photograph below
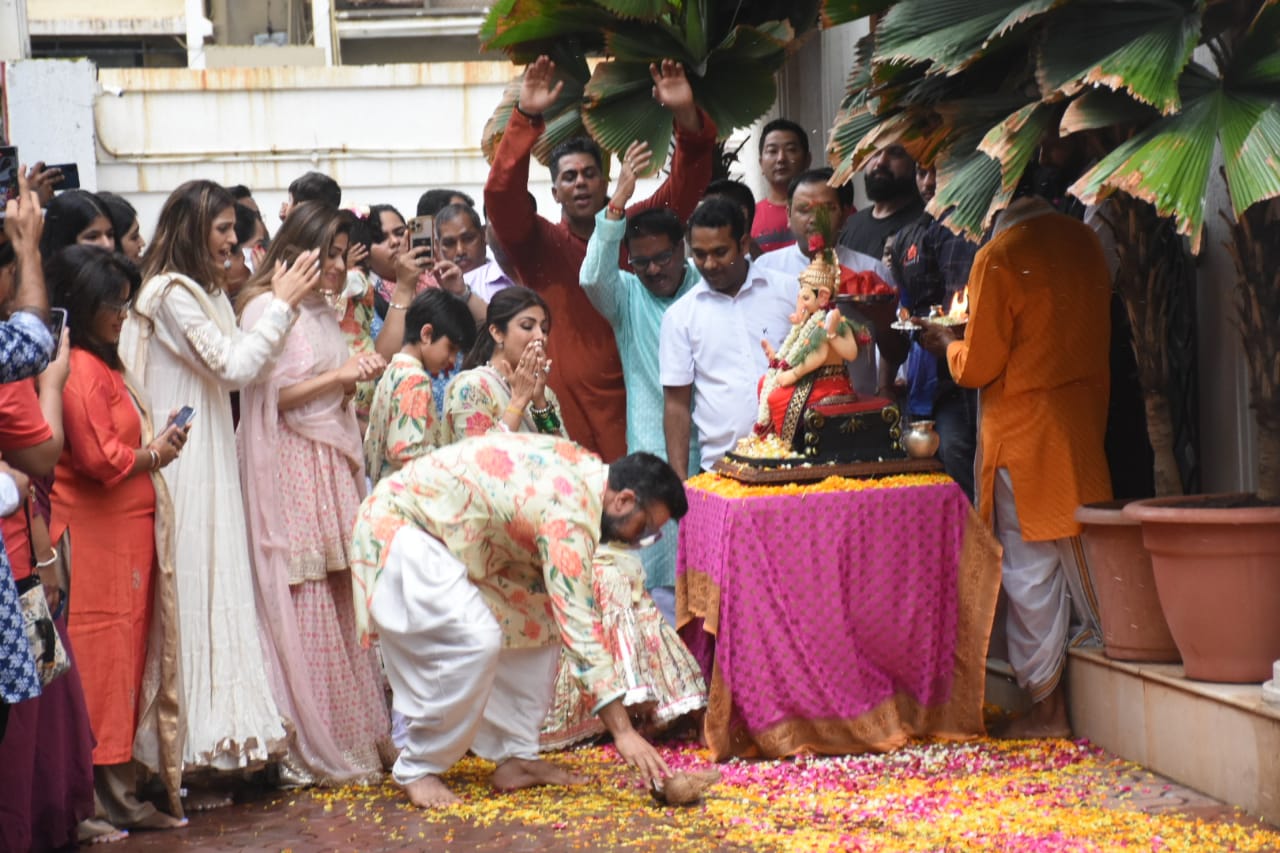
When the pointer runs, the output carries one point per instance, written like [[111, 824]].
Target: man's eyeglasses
[[661, 259]]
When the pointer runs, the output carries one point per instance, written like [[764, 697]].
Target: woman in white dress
[[182, 342]]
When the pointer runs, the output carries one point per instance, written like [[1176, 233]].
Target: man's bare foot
[[1046, 719], [430, 793], [515, 773]]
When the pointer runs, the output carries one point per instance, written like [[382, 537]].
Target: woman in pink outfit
[[303, 474]]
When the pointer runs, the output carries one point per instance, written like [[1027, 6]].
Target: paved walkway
[[1045, 795]]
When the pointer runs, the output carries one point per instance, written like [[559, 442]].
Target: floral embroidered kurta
[[402, 420], [474, 403], [522, 512]]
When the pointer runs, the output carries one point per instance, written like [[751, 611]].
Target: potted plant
[[975, 90]]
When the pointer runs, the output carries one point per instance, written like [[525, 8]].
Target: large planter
[[1218, 575], [1119, 566]]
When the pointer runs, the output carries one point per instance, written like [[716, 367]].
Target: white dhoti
[[1046, 586], [455, 685]]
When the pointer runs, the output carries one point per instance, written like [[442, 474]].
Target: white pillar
[[1271, 690], [15, 40], [322, 28], [198, 29]]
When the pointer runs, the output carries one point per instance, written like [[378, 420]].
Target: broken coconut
[[684, 789]]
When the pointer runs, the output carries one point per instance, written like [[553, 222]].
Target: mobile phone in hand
[[57, 322], [184, 416], [422, 230], [70, 176], [8, 175]]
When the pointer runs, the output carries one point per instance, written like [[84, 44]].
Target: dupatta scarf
[[315, 345]]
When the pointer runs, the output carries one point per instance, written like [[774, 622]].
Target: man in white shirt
[[710, 357], [809, 194]]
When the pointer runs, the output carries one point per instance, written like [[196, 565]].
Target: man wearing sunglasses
[[473, 565]]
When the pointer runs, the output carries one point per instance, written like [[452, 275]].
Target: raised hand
[[23, 222], [357, 253], [671, 89], [42, 181], [291, 282], [634, 162], [539, 88], [409, 266]]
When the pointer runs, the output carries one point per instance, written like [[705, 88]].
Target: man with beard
[[890, 178], [588, 378], [710, 356], [473, 565], [633, 303]]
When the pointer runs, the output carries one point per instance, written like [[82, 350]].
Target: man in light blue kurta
[[633, 303]]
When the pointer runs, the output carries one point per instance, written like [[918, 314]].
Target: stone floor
[[379, 820]]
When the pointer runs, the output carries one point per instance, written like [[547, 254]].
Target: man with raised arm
[[546, 256]]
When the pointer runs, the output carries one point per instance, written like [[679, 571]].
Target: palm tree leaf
[[648, 43], [1141, 48], [843, 11], [635, 10], [1022, 15], [859, 81], [735, 92], [513, 24], [1256, 61], [566, 124], [969, 187], [765, 42], [620, 110], [1167, 164], [949, 35], [1014, 141], [1099, 108], [850, 128], [1252, 160]]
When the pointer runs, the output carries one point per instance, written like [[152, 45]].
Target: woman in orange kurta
[[103, 494]]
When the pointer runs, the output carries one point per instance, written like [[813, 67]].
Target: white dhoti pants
[[451, 679], [1045, 585]]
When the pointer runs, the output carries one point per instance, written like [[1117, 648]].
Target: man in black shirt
[[890, 178]]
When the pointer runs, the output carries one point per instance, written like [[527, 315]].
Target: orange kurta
[[111, 515], [1037, 348]]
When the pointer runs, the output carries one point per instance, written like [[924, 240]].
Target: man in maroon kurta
[[587, 374]]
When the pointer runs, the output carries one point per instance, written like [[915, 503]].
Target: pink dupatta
[[315, 345]]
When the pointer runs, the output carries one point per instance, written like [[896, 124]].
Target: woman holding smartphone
[[182, 342], [108, 493]]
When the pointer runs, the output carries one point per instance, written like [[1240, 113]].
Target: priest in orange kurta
[[1036, 347]]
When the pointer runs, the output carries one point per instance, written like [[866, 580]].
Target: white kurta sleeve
[[232, 358]]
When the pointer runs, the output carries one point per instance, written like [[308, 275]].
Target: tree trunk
[[1168, 479]]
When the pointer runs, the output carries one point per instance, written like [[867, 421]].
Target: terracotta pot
[[1133, 623], [1218, 575]]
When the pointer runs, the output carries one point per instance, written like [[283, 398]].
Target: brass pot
[[920, 440]]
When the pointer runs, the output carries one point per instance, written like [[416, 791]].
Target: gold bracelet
[[519, 413], [397, 306]]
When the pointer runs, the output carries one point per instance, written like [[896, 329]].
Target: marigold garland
[[727, 487]]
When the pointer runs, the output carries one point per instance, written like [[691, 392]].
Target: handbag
[[46, 646]]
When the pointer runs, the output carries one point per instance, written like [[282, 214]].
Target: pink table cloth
[[841, 621]]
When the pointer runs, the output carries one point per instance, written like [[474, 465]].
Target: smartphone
[[70, 176], [422, 230], [184, 416], [8, 175], [57, 322]]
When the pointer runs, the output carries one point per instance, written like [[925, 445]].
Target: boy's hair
[[314, 186], [736, 191], [447, 315]]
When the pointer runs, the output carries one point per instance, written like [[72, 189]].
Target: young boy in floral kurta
[[402, 418]]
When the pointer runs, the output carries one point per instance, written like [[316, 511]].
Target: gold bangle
[[519, 413], [397, 306]]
